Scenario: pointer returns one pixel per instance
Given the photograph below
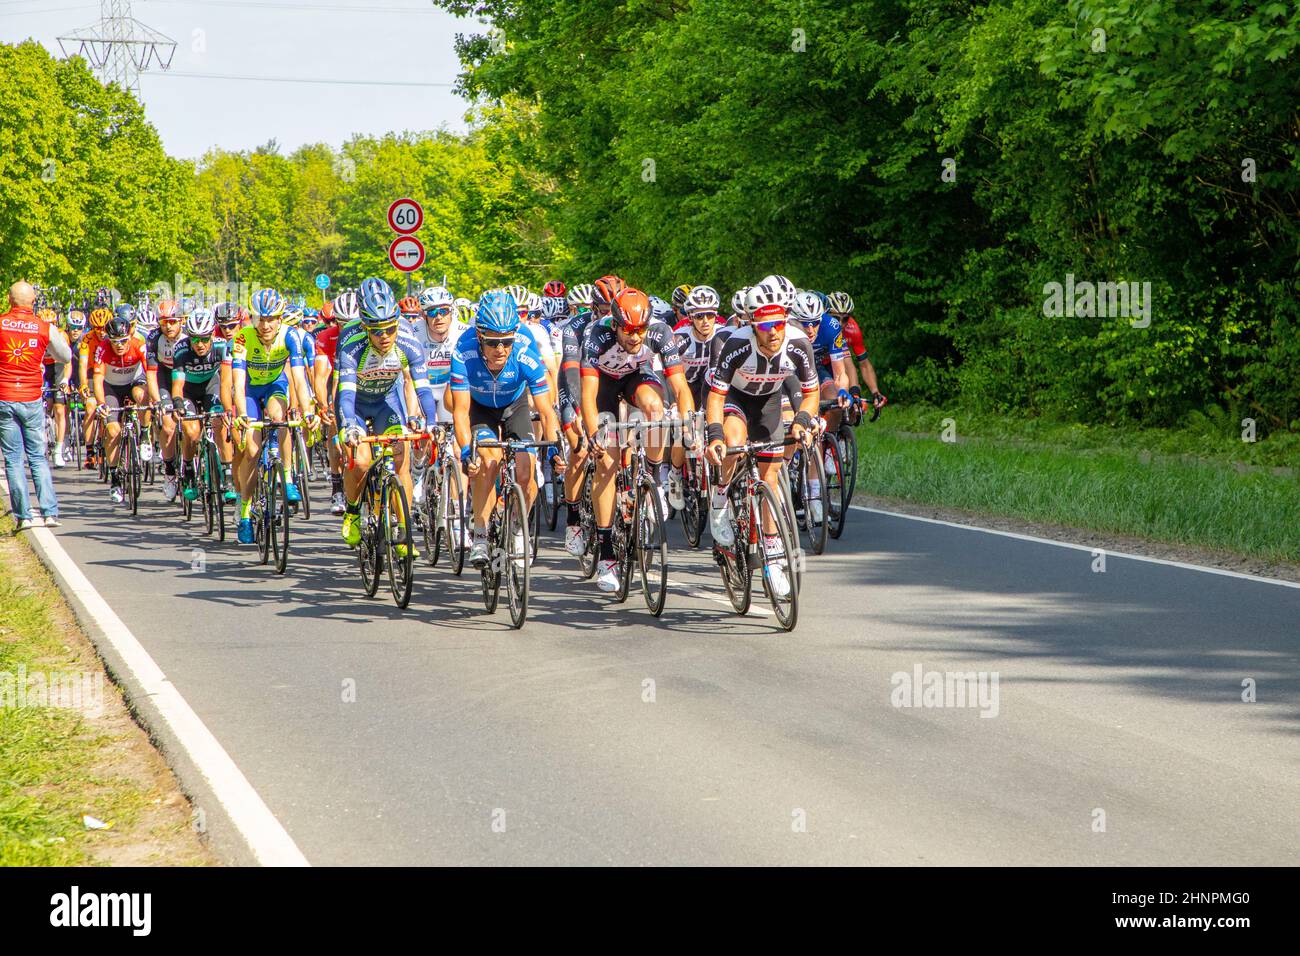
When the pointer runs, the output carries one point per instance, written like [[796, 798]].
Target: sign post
[[406, 253], [322, 283]]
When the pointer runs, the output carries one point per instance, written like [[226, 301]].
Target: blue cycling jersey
[[523, 371], [307, 342], [829, 343], [366, 377]]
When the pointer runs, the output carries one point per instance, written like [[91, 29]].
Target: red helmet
[[167, 309], [409, 306], [555, 288], [327, 312], [606, 288], [631, 311]]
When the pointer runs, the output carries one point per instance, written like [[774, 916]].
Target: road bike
[[270, 506], [444, 516], [385, 521], [129, 463], [209, 477]]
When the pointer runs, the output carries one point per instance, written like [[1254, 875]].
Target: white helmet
[[518, 293], [702, 298], [738, 300], [200, 323], [533, 303], [808, 307], [346, 307], [784, 289], [435, 297], [763, 294]]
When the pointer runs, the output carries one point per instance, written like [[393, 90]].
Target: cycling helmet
[[409, 305], [680, 294], [738, 300], [580, 295], [763, 294], [223, 312], [533, 304], [702, 298], [267, 302], [840, 303], [554, 308], [605, 289], [118, 328], [76, 320], [146, 319], [631, 311], [327, 312], [377, 304], [49, 315], [99, 317], [807, 308], [125, 312], [346, 306], [435, 297], [167, 308], [498, 313], [661, 311], [464, 311], [518, 293], [554, 288], [783, 288], [292, 316], [200, 323]]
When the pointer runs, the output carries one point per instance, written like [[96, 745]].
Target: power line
[[309, 7], [299, 79], [21, 13]]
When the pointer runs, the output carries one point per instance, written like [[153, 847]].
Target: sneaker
[[400, 551], [57, 458], [777, 580], [676, 491], [417, 490], [720, 527], [337, 504], [26, 524], [607, 576], [190, 492], [291, 493], [478, 553], [245, 535], [521, 547], [170, 487], [573, 540], [231, 494], [352, 530], [52, 521], [116, 495], [146, 452], [89, 463], [663, 502], [815, 509]]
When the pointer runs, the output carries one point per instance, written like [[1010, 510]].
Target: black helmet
[[117, 327]]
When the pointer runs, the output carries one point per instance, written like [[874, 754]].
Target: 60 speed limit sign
[[405, 216]]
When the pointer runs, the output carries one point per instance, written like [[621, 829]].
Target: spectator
[[24, 341]]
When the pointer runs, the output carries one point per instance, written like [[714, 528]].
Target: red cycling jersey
[[124, 369], [327, 342], [853, 336]]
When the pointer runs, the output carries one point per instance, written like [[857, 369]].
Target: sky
[[379, 41]]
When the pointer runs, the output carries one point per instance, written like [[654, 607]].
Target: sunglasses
[[119, 341], [383, 330], [773, 325], [200, 340], [699, 316], [502, 343], [438, 312]]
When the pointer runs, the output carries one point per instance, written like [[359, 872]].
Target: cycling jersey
[[853, 338], [829, 343], [522, 372], [542, 339], [438, 361], [265, 364], [327, 341], [125, 369], [159, 350], [367, 378], [189, 366], [657, 356], [307, 343], [742, 367], [695, 352]]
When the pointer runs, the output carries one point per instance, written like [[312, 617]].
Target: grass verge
[[1117, 487], [61, 763]]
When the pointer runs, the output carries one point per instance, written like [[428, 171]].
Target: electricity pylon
[[119, 46]]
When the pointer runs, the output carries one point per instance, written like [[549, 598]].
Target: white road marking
[[1082, 547]]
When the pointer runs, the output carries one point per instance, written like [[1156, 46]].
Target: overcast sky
[[382, 41]]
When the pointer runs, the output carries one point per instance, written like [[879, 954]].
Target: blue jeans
[[22, 435]]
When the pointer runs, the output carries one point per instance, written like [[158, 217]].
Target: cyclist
[[493, 371], [744, 404], [627, 360], [201, 383], [86, 349], [118, 380], [679, 296], [579, 298], [531, 317], [840, 305], [438, 334], [263, 359], [160, 349], [694, 344], [572, 337], [378, 360], [339, 313]]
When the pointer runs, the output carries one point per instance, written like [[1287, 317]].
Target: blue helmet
[[125, 312], [498, 313], [267, 302], [376, 303]]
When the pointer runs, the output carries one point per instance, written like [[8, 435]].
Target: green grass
[[1085, 478], [49, 757]]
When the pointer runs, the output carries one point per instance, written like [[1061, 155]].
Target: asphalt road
[[1117, 733]]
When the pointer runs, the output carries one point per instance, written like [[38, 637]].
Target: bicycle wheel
[[203, 481], [302, 476], [587, 521], [624, 545], [431, 514], [130, 474], [395, 529], [261, 521], [368, 553], [187, 506], [812, 474], [555, 489], [279, 508], [218, 491], [651, 549], [837, 489], [733, 562], [455, 516], [696, 501], [849, 453], [490, 572], [535, 525], [778, 557], [515, 565]]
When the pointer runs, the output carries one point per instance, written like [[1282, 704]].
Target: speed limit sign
[[405, 216]]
